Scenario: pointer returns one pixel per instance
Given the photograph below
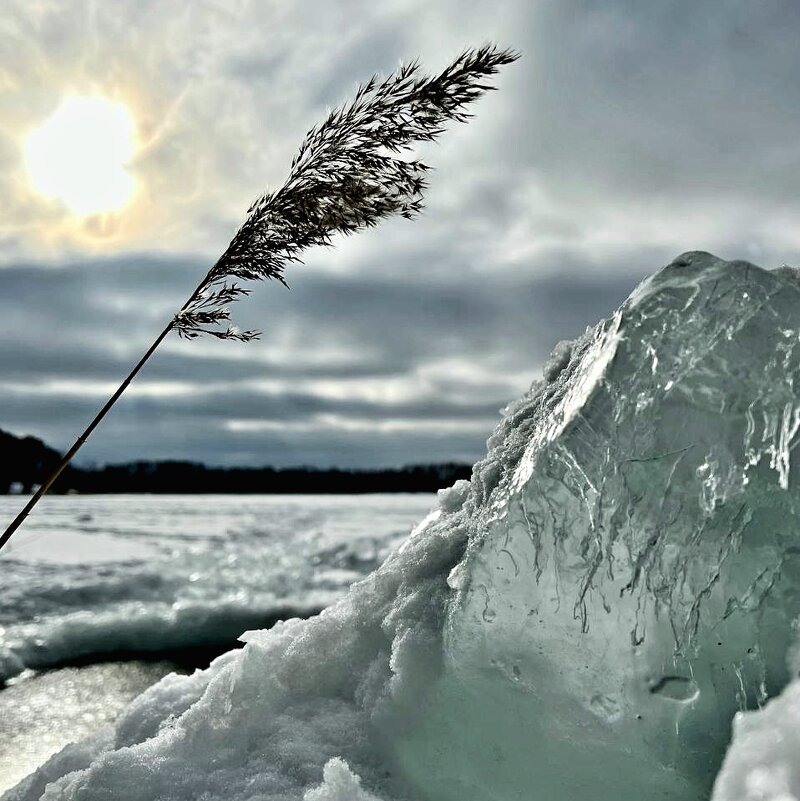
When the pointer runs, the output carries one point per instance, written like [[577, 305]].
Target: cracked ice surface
[[583, 619]]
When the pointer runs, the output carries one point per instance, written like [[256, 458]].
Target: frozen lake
[[93, 579]]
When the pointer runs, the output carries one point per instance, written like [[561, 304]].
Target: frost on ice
[[584, 619]]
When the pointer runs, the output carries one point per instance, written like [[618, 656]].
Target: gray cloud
[[626, 134], [83, 325]]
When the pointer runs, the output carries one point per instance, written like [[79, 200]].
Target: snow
[[339, 784], [99, 575], [761, 765], [585, 618]]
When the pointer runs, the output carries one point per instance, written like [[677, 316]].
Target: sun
[[80, 154]]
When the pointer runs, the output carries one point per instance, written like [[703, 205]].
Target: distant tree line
[[25, 462]]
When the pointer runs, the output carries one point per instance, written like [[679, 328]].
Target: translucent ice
[[632, 579], [583, 619]]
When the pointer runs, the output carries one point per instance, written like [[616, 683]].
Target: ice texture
[[583, 619], [631, 581]]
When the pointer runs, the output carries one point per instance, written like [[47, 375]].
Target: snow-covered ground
[[168, 577], [89, 578], [92, 576]]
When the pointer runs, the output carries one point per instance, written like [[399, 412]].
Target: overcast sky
[[627, 133]]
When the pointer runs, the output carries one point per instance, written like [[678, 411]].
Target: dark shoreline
[[189, 478], [28, 462]]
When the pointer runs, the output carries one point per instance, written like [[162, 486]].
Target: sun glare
[[79, 155]]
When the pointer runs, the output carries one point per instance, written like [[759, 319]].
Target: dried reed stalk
[[348, 175]]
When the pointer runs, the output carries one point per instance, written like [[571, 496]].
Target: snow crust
[[583, 619], [339, 784]]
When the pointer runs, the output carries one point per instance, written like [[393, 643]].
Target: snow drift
[[583, 619]]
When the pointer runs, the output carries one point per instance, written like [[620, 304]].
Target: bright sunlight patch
[[79, 155]]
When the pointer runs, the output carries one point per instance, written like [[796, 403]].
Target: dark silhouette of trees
[[27, 461]]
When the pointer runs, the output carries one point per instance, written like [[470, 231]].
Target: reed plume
[[350, 172]]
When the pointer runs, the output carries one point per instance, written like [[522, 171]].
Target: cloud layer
[[353, 369], [626, 134]]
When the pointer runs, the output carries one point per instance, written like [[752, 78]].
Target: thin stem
[[19, 519], [346, 177]]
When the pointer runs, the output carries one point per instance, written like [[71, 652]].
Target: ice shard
[[631, 581], [583, 619]]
